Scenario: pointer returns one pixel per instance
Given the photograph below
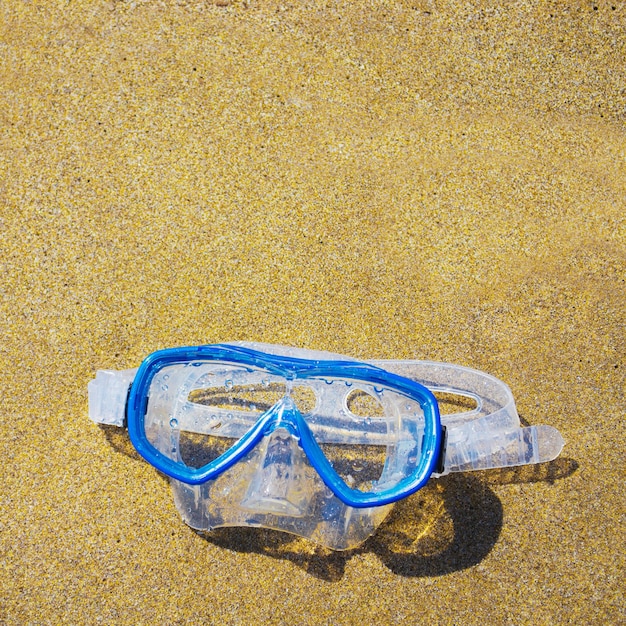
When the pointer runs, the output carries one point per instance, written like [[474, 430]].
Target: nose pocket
[[278, 486]]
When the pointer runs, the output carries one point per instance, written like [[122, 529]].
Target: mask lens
[[249, 398], [198, 410], [224, 412], [371, 435]]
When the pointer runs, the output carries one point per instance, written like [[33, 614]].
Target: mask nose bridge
[[284, 415]]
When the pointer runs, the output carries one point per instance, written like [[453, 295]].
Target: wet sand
[[406, 180]]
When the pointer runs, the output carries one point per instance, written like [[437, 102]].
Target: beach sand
[[409, 180]]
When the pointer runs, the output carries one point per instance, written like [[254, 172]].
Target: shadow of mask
[[449, 525]]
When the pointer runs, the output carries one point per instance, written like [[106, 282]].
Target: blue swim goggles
[[309, 443]]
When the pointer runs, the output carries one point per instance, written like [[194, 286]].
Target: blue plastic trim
[[289, 368]]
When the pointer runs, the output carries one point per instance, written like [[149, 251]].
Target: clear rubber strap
[[488, 436], [108, 393], [467, 450], [495, 406], [491, 435]]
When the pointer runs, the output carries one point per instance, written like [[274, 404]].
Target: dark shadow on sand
[[449, 525]]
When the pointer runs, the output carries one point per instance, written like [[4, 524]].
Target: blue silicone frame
[[292, 369]]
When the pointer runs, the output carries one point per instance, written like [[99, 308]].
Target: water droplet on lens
[[229, 384], [164, 387], [166, 376], [348, 383], [173, 423], [265, 382]]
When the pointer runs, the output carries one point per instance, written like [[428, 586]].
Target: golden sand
[[412, 179]]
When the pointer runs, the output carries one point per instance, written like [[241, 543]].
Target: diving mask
[[309, 443]]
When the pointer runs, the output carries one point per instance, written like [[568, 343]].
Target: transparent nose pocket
[[278, 485]]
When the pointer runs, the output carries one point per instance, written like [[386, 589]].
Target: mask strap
[[488, 436]]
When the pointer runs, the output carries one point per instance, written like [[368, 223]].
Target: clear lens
[[371, 435], [197, 450], [194, 415], [359, 466], [230, 397], [197, 411]]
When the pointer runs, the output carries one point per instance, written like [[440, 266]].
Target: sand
[[425, 180]]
